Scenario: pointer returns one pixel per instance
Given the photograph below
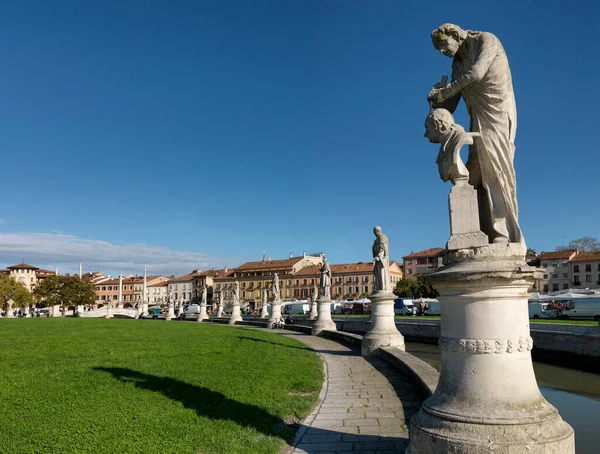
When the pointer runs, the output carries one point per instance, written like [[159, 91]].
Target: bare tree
[[585, 244]]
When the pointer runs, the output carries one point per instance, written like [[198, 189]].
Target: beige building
[[254, 277], [422, 262], [28, 275], [349, 281], [557, 271], [585, 270], [157, 293]]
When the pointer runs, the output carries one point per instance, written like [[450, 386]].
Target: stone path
[[365, 407]]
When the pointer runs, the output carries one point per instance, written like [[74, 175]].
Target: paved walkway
[[365, 407]]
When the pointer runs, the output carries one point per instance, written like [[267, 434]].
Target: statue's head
[[447, 38], [377, 230], [437, 124]]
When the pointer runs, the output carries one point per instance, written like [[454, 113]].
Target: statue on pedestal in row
[[276, 295], [381, 262], [325, 288], [481, 76]]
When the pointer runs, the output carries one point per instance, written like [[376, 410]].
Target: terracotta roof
[[160, 284], [557, 255], [287, 263], [432, 252], [360, 267], [2, 272], [22, 266], [222, 274], [586, 257], [185, 277]]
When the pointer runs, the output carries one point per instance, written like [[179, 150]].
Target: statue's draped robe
[[482, 76], [381, 267], [326, 281]]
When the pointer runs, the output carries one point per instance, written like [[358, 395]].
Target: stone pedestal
[[108, 312], [180, 309], [487, 399], [9, 309], [464, 217], [170, 312], [203, 315], [26, 311], [275, 313], [120, 305], [236, 315], [323, 321], [220, 311], [144, 309], [383, 331], [55, 311], [314, 311], [80, 309], [264, 311]]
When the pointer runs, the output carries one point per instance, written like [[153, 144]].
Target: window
[[576, 268], [356, 279], [243, 294], [554, 265], [366, 278], [555, 276], [576, 279], [349, 289], [304, 293], [588, 278], [103, 287], [565, 286], [339, 279], [297, 281], [554, 287], [565, 264], [97, 297], [103, 297], [565, 275], [545, 288], [114, 297], [421, 261], [305, 281], [598, 266], [588, 267], [339, 290], [366, 289], [545, 265], [409, 271], [545, 276], [409, 262], [243, 285]]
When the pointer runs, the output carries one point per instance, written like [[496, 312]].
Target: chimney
[[291, 255], [304, 254], [225, 269]]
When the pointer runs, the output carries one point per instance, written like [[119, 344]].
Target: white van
[[583, 308], [540, 310], [295, 308], [433, 308]]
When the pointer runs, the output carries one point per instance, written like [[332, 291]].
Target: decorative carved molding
[[451, 344]]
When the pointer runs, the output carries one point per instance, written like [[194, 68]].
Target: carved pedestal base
[[383, 331], [314, 311], [275, 313], [220, 311], [236, 315], [170, 312], [9, 311], [323, 321], [108, 312], [202, 315], [264, 311], [487, 399]]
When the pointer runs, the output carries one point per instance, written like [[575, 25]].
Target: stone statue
[[381, 262], [325, 290], [441, 128], [204, 290], [314, 294], [236, 293], [276, 296], [481, 75]]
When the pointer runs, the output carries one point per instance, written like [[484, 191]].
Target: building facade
[[29, 276], [585, 270], [422, 262], [557, 271]]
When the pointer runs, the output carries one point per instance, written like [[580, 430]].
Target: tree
[[9, 288], [421, 288], [65, 291], [404, 288], [531, 252], [584, 244]]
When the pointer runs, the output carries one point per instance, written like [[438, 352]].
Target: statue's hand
[[435, 95]]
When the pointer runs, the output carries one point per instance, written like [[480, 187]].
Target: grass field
[[132, 386]]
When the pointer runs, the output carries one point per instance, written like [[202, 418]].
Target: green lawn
[[133, 386]]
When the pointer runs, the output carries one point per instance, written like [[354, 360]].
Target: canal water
[[575, 394]]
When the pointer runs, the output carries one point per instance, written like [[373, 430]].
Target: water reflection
[[575, 394]]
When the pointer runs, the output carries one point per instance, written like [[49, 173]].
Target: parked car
[[541, 310], [191, 309], [582, 308], [295, 308]]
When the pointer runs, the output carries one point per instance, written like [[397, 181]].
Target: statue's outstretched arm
[[449, 104]]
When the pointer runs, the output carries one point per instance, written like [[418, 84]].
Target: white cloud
[[48, 250]]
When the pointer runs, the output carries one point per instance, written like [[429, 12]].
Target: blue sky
[[177, 134]]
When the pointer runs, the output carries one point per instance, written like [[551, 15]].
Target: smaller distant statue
[[381, 262], [276, 287], [325, 290], [441, 128], [204, 290], [265, 297], [236, 293], [315, 293]]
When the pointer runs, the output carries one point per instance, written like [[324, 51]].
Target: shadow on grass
[[205, 402], [273, 343]]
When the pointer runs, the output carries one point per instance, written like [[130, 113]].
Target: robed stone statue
[[381, 262], [276, 295], [481, 76], [325, 288], [236, 293]]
